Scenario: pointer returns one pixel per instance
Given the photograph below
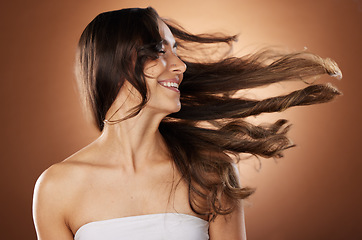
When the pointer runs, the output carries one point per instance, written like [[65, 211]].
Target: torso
[[97, 191]]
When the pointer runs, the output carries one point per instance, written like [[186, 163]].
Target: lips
[[171, 84]]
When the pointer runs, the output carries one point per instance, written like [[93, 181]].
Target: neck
[[135, 142]]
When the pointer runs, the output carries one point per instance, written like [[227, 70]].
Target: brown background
[[313, 193]]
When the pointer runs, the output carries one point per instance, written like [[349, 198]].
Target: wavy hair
[[210, 128]]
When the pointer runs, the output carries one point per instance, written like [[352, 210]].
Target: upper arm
[[48, 208], [231, 226]]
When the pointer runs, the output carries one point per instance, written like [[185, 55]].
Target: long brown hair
[[210, 127]]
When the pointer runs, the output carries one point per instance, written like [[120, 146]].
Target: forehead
[[165, 33]]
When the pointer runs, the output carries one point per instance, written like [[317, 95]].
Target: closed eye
[[165, 42]]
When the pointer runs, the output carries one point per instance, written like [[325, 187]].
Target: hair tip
[[337, 75]]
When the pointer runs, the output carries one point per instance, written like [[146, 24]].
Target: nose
[[177, 66]]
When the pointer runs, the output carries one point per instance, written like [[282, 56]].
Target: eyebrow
[[164, 41]]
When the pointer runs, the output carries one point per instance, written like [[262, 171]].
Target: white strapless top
[[170, 226]]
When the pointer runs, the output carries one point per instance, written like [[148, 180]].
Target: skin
[[126, 166]]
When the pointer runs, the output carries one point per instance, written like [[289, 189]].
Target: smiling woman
[[156, 171], [162, 77], [166, 71]]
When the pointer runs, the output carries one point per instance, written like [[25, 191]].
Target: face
[[164, 75]]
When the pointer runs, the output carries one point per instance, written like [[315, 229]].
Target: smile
[[172, 85]]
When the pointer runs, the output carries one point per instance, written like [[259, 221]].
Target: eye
[[162, 51]]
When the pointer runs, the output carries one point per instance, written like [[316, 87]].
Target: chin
[[178, 109], [166, 110], [174, 109]]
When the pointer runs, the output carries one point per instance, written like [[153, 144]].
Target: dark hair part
[[114, 47]]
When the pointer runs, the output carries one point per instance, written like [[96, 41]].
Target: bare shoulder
[[67, 174], [62, 182], [57, 183], [231, 226], [57, 191], [54, 193], [58, 177]]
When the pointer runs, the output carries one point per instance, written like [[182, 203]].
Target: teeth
[[169, 84]]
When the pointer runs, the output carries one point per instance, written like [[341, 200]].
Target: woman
[[158, 172]]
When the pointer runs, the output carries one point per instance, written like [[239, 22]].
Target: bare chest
[[112, 196]]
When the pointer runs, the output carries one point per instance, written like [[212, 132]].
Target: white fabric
[[170, 226]]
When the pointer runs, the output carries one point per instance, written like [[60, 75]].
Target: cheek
[[155, 68]]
